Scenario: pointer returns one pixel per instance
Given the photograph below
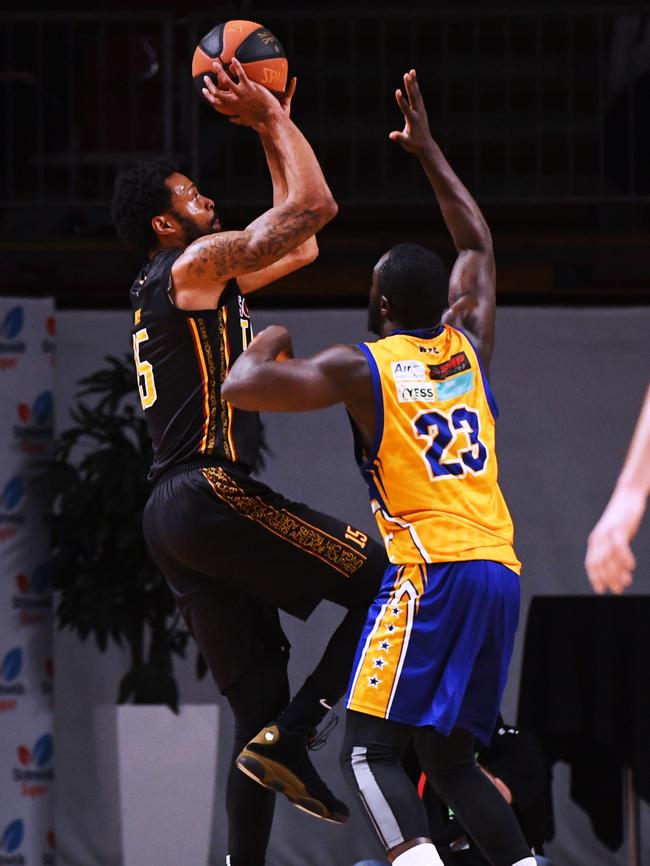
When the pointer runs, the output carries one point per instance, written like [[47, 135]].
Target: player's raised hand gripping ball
[[257, 49]]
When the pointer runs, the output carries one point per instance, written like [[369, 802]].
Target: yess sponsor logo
[[409, 392]]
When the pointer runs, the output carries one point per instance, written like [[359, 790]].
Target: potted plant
[[109, 589]]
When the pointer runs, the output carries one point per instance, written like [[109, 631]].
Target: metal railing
[[531, 105], [81, 94]]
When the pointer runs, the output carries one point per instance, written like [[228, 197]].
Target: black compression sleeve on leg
[[256, 698], [372, 764], [454, 774], [329, 680]]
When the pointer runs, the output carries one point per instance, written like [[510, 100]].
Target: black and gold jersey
[[181, 359]]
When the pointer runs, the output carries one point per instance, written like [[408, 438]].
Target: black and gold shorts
[[234, 551]]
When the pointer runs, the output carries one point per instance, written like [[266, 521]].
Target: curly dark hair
[[139, 193]]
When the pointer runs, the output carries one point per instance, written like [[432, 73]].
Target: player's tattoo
[[197, 267], [226, 254]]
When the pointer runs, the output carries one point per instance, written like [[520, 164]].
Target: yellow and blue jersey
[[432, 469], [439, 635]]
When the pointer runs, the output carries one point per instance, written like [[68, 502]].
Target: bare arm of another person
[[204, 268], [472, 296], [610, 561], [266, 377]]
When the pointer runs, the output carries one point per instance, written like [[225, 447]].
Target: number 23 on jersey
[[445, 434]]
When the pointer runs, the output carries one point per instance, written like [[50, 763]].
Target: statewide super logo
[[12, 326], [12, 503], [47, 677], [12, 664], [48, 344], [11, 842], [34, 771], [35, 429], [12, 494], [49, 856], [10, 341], [33, 596], [11, 685]]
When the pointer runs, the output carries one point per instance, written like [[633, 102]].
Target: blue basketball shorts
[[436, 646]]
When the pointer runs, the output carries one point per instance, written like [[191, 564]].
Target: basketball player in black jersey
[[232, 550]]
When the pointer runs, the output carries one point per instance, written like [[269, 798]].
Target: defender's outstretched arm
[[472, 297], [266, 377]]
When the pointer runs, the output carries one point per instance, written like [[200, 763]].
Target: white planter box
[[167, 771]]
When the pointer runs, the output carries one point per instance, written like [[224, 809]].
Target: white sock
[[528, 861], [422, 855]]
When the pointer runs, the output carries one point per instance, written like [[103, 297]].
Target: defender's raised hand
[[416, 134], [473, 279], [244, 101]]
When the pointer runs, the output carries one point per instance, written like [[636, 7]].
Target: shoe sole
[[278, 778]]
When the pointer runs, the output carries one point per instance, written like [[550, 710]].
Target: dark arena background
[[543, 110]]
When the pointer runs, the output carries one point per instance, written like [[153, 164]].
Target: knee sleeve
[[371, 761], [451, 769]]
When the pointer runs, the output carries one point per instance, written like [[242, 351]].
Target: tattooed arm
[[202, 271], [300, 256]]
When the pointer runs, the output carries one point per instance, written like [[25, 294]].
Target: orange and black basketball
[[256, 48]]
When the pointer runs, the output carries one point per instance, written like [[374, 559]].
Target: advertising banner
[[27, 355]]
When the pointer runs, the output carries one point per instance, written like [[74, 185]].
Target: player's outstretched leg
[[258, 694], [278, 757]]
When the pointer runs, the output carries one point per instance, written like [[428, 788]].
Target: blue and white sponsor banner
[[27, 354]]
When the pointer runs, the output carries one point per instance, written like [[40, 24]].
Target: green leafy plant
[[96, 484]]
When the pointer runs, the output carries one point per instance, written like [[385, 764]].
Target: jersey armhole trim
[[378, 399], [201, 314], [489, 393]]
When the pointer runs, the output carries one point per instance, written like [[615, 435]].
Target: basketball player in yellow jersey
[[433, 657]]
